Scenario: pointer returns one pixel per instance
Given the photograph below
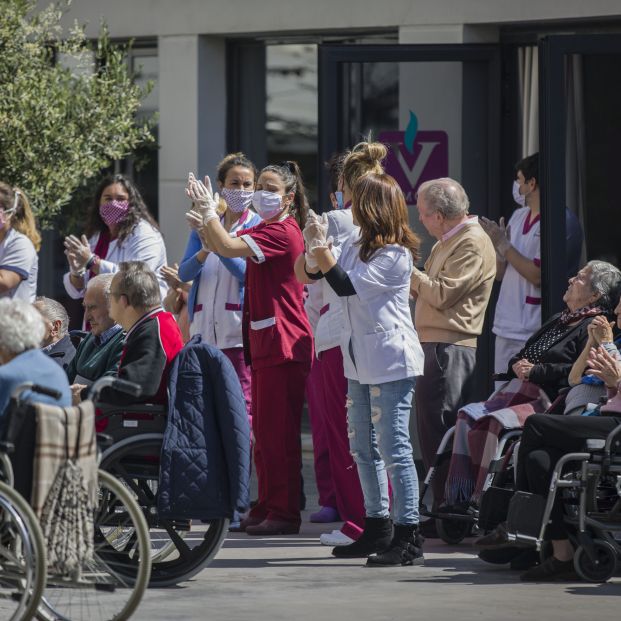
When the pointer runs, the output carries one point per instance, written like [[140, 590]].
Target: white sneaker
[[335, 538]]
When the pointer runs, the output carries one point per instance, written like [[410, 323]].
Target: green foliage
[[68, 105]]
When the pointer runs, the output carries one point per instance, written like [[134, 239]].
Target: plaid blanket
[[51, 448], [478, 428]]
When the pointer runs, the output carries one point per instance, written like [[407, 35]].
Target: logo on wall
[[415, 156]]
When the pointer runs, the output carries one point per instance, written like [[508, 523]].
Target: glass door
[[437, 109]]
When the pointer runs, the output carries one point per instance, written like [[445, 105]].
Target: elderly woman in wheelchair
[[537, 374], [568, 479]]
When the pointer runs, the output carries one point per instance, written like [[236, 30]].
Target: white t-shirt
[[379, 342], [518, 310], [17, 254], [144, 243]]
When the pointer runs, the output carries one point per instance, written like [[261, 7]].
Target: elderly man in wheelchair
[[568, 481], [178, 446]]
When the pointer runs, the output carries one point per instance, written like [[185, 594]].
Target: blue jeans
[[379, 439]]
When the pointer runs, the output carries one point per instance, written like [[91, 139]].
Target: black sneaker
[[550, 570]]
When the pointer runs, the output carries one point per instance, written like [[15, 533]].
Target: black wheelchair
[[589, 484], [131, 440]]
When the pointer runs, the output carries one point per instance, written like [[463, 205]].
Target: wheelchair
[[589, 484], [131, 444], [102, 588], [453, 526]]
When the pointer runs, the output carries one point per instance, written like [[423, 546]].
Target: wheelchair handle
[[42, 390], [129, 388]]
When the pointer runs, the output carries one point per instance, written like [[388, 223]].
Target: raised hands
[[600, 331], [202, 195], [605, 366], [78, 253], [498, 233], [315, 236]]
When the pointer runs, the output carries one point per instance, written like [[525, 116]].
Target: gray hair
[[53, 311], [21, 326], [446, 196], [605, 280], [138, 284], [102, 282]]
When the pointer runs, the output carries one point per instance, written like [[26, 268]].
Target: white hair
[[21, 326], [102, 282], [446, 196]]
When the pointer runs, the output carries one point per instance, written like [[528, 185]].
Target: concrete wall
[[227, 17]]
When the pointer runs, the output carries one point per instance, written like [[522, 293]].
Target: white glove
[[196, 222], [202, 195], [498, 233]]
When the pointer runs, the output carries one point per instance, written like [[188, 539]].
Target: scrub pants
[[317, 414], [349, 498], [278, 399]]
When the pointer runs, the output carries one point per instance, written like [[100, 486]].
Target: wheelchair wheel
[[108, 587], [599, 569], [22, 557], [453, 531], [179, 548]]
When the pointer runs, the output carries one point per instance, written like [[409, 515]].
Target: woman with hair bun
[[364, 158], [119, 228], [382, 357], [19, 243], [277, 336]]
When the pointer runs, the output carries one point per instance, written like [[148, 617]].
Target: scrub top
[[275, 326]]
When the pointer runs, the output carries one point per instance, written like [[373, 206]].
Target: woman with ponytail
[[277, 336], [19, 243]]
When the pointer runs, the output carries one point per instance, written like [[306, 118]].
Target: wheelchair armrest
[[104, 440], [155, 409]]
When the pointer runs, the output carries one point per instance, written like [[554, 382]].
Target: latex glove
[[202, 195], [196, 222], [76, 266], [79, 248], [498, 233], [312, 220]]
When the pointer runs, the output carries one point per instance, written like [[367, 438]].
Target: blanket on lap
[[477, 433]]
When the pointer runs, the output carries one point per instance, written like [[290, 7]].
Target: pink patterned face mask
[[237, 200], [113, 212]]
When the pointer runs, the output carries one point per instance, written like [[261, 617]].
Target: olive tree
[[67, 105]]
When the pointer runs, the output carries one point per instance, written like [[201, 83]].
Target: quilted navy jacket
[[205, 461]]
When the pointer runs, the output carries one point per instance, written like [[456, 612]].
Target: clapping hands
[[203, 197], [315, 236]]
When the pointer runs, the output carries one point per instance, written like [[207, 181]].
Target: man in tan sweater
[[451, 297]]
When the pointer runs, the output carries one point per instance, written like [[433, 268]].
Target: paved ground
[[296, 578]]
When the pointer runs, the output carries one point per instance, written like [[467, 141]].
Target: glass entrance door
[[437, 109]]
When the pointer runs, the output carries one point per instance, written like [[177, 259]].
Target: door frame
[[552, 121]]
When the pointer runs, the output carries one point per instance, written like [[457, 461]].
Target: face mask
[[339, 200], [113, 212], [237, 200], [267, 204], [520, 199]]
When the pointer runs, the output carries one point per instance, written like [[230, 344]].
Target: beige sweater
[[453, 292]]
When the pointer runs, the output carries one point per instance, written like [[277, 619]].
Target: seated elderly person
[[538, 372], [21, 332], [99, 353], [153, 337], [56, 342], [546, 438]]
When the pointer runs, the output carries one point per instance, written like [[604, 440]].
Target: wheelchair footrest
[[494, 507], [525, 514]]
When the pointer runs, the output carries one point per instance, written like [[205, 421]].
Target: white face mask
[[520, 199], [267, 204]]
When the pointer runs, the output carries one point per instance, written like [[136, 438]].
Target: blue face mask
[[339, 200]]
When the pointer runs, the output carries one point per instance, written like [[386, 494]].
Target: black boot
[[375, 538], [406, 548]]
